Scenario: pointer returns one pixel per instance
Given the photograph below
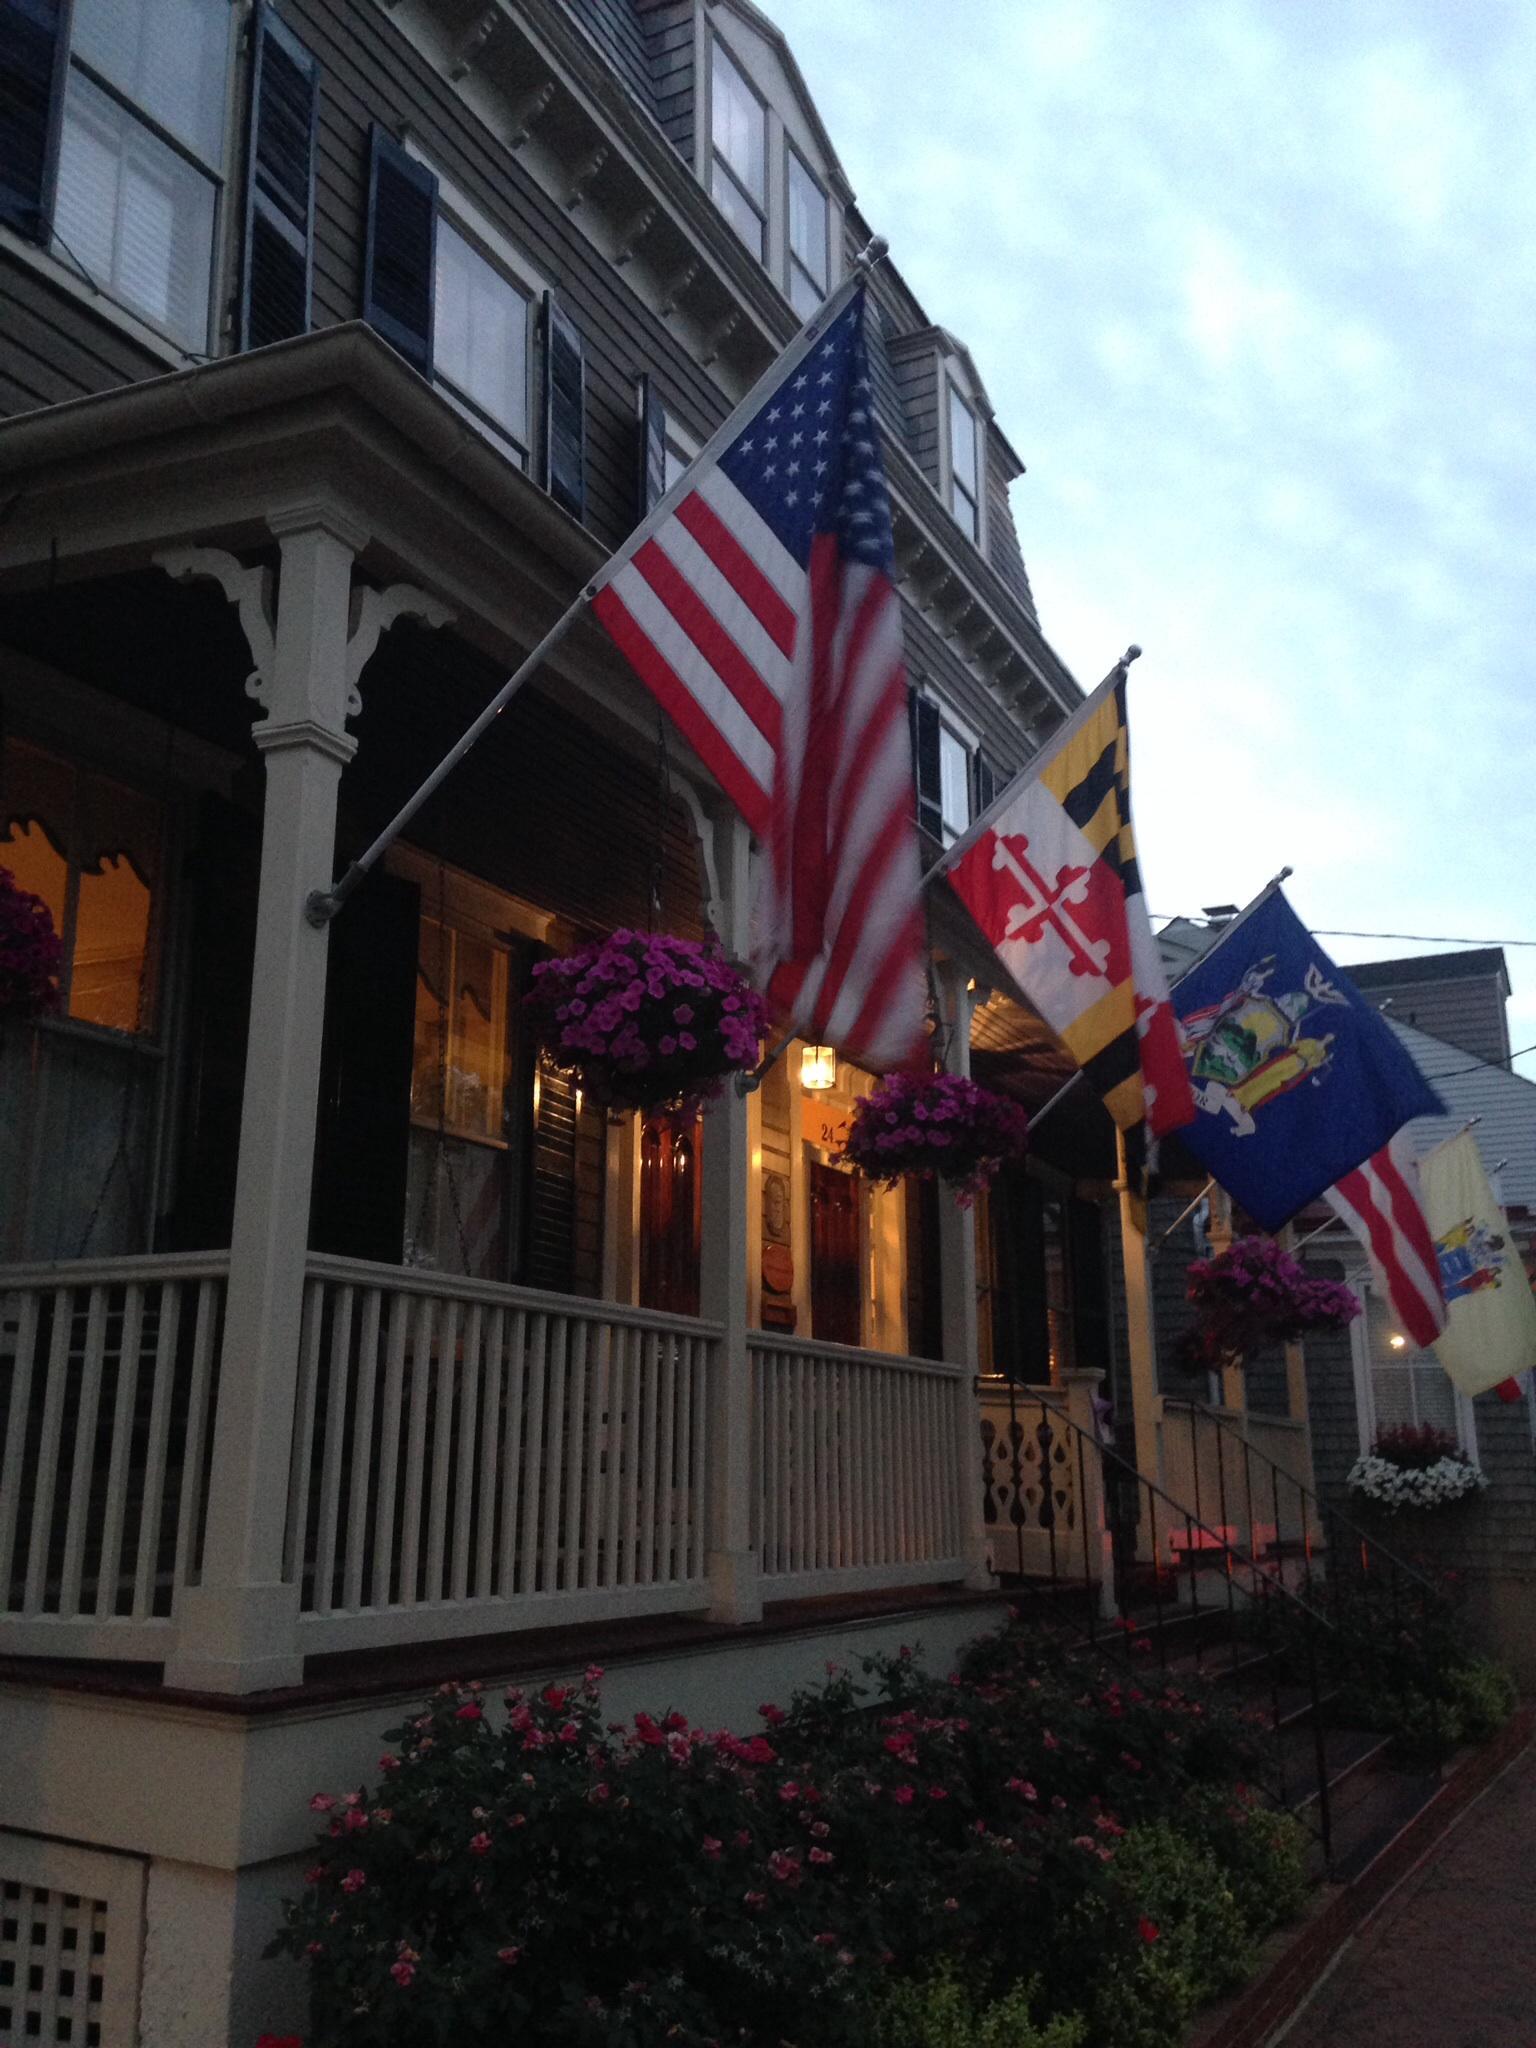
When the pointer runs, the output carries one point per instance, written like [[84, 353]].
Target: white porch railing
[[108, 1383], [1029, 1479], [471, 1457], [855, 1463]]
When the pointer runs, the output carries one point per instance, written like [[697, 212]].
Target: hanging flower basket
[[1414, 1468], [646, 1021], [30, 953], [1253, 1295], [935, 1127]]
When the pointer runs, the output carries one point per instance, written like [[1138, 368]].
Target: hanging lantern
[[818, 1067]]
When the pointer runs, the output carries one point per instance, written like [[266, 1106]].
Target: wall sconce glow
[[818, 1067], [1398, 1343]]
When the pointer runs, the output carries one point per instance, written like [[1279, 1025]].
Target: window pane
[[677, 460], [434, 972], [807, 221], [962, 443], [733, 203], [168, 57], [480, 337], [805, 295], [111, 947], [736, 116], [134, 214], [477, 1055], [954, 783], [964, 509]]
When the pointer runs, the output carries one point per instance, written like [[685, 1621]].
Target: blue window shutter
[[651, 419], [925, 764], [400, 249], [565, 410], [34, 45], [277, 256]]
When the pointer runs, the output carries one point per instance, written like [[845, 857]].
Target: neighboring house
[[1370, 1379], [339, 342]]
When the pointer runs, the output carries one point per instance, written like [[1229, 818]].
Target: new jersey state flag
[[1490, 1332], [1296, 1078], [1049, 873]]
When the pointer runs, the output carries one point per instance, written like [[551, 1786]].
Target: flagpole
[[321, 905], [1232, 924]]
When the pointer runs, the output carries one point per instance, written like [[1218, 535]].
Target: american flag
[[1380, 1203], [757, 605]]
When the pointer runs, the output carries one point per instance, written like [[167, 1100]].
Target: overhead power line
[[1319, 931]]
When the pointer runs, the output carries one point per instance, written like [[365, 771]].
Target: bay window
[[141, 153]]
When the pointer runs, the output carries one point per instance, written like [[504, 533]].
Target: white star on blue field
[[1252, 285]]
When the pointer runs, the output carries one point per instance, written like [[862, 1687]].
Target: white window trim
[[1358, 1278], [969, 738], [773, 232], [64, 273], [477, 228], [793, 154]]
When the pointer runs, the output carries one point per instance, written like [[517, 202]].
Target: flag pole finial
[[874, 251]]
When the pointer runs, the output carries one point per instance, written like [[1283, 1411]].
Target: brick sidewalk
[[1450, 1962]]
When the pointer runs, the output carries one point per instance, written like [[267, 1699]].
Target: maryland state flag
[[1049, 873]]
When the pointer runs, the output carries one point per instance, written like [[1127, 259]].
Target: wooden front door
[[669, 1219], [834, 1256]]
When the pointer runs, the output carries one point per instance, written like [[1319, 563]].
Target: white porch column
[[239, 1628], [724, 1250], [958, 1298]]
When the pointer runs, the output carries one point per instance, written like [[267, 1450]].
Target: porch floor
[[499, 1659]]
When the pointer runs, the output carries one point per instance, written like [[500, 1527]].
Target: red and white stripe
[[1380, 1203], [840, 923], [707, 612], [789, 684]]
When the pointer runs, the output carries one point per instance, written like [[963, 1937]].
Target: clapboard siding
[[52, 347], [669, 41], [1466, 1011], [616, 28], [916, 372], [931, 658], [1003, 550], [377, 75]]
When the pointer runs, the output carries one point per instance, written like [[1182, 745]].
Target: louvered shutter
[[398, 255], [277, 258], [565, 410], [33, 57], [925, 764], [651, 420]]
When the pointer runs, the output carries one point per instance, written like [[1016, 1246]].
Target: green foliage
[[1262, 1853], [1001, 1840], [941, 2013]]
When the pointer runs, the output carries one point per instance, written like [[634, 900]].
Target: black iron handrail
[[1324, 1515], [1263, 1589]]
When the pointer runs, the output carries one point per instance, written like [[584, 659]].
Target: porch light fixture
[[1397, 1341], [818, 1067]]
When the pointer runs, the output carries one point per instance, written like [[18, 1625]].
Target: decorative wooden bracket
[[586, 177], [249, 590], [681, 284], [470, 46], [639, 227], [373, 613], [528, 112]]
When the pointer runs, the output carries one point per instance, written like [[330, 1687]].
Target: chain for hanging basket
[[647, 1021]]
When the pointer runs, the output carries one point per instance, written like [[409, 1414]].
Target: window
[[964, 465], [1407, 1387], [92, 849], [942, 762], [681, 448], [480, 333], [738, 132], [459, 1072], [808, 272], [141, 155]]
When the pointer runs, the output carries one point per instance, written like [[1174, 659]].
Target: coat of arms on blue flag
[[1297, 1079]]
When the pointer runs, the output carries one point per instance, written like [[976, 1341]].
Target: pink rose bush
[[655, 1881], [1255, 1294], [647, 1021], [936, 1127], [30, 952]]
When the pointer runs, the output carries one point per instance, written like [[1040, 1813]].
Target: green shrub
[[941, 2013], [1482, 1695], [1263, 1853]]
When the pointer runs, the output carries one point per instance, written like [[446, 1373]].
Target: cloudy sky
[[1253, 287]]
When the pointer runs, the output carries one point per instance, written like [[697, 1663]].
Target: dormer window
[[738, 132], [808, 276], [964, 465]]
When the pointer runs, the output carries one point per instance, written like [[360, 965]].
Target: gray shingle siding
[[53, 347], [916, 372], [1003, 550], [674, 89]]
